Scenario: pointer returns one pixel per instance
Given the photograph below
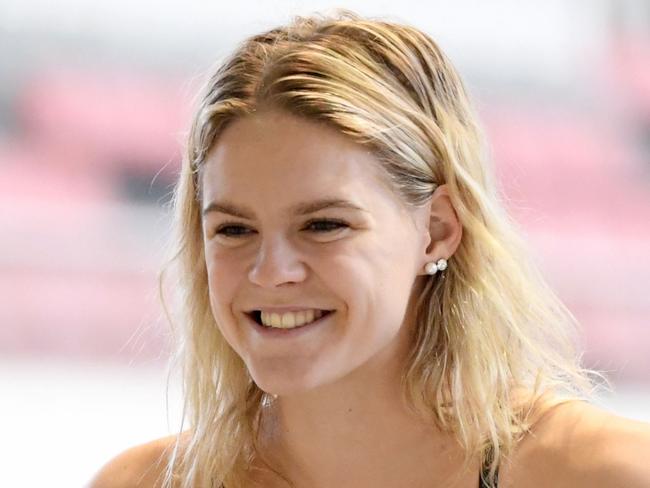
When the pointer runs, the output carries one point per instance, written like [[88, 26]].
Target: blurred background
[[94, 103]]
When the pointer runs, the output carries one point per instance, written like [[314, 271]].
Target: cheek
[[383, 278], [224, 274], [370, 276]]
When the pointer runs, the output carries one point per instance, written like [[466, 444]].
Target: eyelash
[[338, 224]]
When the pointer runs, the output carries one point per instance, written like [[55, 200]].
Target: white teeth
[[309, 316], [300, 318], [289, 320], [276, 320]]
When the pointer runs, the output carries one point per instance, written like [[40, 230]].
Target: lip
[[277, 333], [286, 309]]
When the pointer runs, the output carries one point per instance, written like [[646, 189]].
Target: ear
[[444, 230]]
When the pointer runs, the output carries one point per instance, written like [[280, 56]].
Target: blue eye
[[232, 230], [320, 226], [325, 225]]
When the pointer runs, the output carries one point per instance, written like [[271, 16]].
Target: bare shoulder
[[576, 445], [141, 466]]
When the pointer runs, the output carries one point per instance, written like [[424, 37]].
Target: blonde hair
[[491, 338]]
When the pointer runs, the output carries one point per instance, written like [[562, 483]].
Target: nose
[[277, 263]]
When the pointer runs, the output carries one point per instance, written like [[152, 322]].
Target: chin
[[282, 381]]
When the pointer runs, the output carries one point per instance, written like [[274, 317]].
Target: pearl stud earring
[[432, 267]]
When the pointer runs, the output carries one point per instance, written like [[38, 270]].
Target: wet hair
[[491, 339]]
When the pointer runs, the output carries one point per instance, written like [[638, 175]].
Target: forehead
[[276, 158]]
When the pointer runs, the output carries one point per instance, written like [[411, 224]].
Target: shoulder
[[141, 466], [575, 444]]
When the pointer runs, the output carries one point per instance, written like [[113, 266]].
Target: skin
[[338, 419], [347, 371], [364, 270]]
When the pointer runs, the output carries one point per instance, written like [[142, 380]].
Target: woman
[[358, 310]]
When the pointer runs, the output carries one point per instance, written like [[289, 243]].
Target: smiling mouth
[[288, 320]]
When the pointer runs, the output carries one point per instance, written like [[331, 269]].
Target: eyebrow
[[302, 208]]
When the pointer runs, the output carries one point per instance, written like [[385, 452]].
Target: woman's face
[[297, 218]]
